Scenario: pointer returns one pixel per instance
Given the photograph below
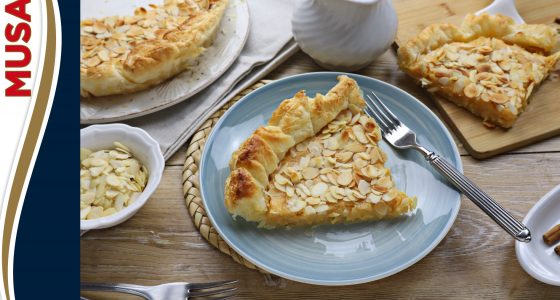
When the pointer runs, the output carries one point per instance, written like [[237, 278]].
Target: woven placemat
[[191, 185]]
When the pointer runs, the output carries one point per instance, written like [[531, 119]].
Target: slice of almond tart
[[489, 65], [317, 161]]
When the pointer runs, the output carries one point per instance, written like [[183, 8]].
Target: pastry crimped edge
[[295, 120], [154, 61], [534, 37]]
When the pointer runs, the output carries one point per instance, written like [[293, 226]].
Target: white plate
[[211, 65], [537, 258]]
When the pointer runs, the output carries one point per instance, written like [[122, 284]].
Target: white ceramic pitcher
[[344, 35]]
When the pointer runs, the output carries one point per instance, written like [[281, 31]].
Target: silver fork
[[401, 137], [169, 291]]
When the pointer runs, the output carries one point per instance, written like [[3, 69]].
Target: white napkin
[[270, 42]]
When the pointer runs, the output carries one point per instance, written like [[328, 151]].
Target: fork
[[400, 136], [168, 291]]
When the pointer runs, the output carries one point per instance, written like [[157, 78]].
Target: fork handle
[[133, 289], [494, 210]]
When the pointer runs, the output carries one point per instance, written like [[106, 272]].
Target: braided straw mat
[[191, 187]]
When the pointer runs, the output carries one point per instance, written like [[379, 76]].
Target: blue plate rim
[[456, 160]]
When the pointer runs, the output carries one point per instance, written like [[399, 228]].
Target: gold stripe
[[30, 140]]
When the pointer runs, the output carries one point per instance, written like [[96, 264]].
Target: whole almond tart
[[488, 65], [125, 54], [317, 161]]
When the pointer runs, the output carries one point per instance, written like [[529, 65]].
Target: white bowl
[[537, 258], [142, 146]]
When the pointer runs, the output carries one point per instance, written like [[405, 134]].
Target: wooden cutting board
[[542, 117]]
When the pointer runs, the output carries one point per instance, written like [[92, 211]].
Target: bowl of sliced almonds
[[120, 168]]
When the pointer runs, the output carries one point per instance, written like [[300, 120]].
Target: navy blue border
[[46, 258]]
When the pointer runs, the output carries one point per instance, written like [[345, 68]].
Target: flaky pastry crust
[[489, 64], [280, 174], [126, 54]]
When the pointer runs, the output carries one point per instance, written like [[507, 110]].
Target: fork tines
[[375, 108], [213, 289]]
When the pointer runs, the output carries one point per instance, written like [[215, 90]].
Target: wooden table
[[476, 259]]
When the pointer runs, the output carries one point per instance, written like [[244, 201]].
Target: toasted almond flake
[[84, 212], [293, 175], [295, 205], [374, 155], [371, 171], [383, 184], [99, 27], [360, 163], [304, 189], [92, 62], [279, 187], [332, 178], [310, 173], [364, 155], [319, 189], [363, 187], [344, 178], [373, 198], [104, 55], [471, 90], [328, 152], [355, 147], [359, 132], [390, 195], [304, 161], [499, 98], [314, 148], [95, 212], [290, 191], [355, 119], [313, 200], [358, 195], [330, 198], [332, 143], [281, 179], [344, 156]]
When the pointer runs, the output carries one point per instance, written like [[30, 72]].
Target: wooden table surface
[[476, 259]]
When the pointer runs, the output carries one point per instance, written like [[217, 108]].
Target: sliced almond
[[319, 189], [344, 178], [281, 180], [373, 198], [344, 156], [355, 147], [363, 187], [360, 134], [312, 200], [310, 173]]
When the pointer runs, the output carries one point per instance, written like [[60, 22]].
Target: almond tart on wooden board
[[317, 161], [125, 54], [488, 65]]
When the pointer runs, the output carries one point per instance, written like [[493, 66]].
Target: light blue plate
[[336, 254]]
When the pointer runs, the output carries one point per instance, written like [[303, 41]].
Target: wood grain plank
[[475, 260]]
